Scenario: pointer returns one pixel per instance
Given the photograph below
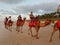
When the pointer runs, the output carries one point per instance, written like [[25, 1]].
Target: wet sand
[[13, 38]]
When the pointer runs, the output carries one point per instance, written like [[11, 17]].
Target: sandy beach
[[13, 38]]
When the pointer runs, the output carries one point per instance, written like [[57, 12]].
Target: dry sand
[[12, 38]]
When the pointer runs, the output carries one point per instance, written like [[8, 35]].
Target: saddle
[[33, 23], [58, 23], [18, 23]]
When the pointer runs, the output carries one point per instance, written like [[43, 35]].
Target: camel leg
[[6, 27], [54, 30], [21, 29], [59, 33], [37, 35], [37, 29], [30, 30], [18, 28], [10, 27]]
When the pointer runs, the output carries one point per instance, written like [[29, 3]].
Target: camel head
[[49, 21]]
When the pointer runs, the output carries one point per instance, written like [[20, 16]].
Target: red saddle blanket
[[58, 23], [32, 23], [18, 23], [9, 23]]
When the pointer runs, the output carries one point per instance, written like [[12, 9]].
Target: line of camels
[[36, 27]]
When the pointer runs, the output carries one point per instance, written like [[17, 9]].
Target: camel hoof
[[37, 37], [28, 33], [6, 28], [50, 40], [18, 31], [21, 32], [10, 30], [32, 35]]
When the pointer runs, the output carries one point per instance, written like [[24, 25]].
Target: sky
[[24, 7]]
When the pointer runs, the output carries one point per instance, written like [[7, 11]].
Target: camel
[[38, 25], [8, 24], [19, 26], [55, 28]]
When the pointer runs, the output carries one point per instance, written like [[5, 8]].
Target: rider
[[32, 20], [32, 16], [9, 18], [19, 18], [10, 21]]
